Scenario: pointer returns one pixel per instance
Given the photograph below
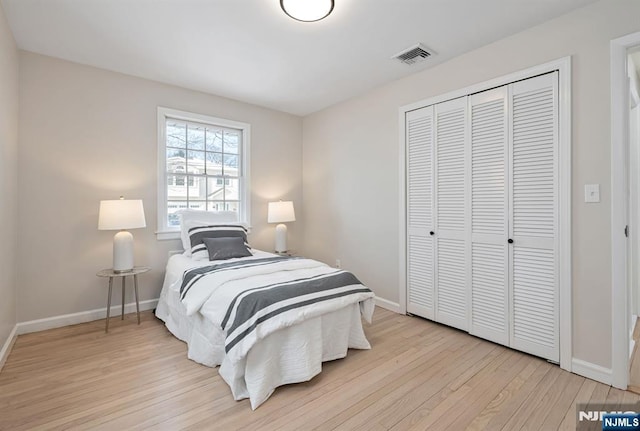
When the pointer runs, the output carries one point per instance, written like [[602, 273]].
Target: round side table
[[113, 274]]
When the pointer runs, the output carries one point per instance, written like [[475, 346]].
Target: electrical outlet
[[338, 263]]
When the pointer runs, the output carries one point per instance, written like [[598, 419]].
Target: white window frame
[[164, 232]]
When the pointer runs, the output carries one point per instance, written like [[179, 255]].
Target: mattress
[[290, 355]]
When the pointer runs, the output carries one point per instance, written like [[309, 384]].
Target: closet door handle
[[510, 241], [432, 233]]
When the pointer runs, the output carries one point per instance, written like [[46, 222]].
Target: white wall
[[8, 178], [350, 161], [88, 134]]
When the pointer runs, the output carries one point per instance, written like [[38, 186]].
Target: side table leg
[[122, 315], [106, 329], [135, 288]]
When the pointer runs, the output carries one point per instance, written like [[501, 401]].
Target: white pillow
[[202, 218]]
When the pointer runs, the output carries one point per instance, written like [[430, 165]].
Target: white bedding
[[289, 355]]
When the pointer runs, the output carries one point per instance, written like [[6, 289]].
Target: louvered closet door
[[534, 227], [451, 221], [420, 262], [489, 215]]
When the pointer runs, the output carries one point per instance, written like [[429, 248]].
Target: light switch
[[592, 192]]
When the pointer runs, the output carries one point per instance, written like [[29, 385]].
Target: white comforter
[[247, 370], [213, 296]]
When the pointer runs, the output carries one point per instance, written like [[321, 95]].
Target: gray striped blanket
[[249, 299]]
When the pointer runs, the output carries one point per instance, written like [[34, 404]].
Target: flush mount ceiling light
[[307, 10]]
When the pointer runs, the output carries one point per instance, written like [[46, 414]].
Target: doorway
[[633, 195], [624, 212]]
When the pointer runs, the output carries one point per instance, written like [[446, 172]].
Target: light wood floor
[[419, 375], [634, 371]]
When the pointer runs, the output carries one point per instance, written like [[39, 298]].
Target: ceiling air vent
[[414, 54]]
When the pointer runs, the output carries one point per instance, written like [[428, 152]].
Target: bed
[[263, 345]]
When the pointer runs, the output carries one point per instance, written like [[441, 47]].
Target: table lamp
[[281, 212], [122, 214]]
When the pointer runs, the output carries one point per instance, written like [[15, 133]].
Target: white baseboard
[[6, 349], [387, 305], [592, 371], [82, 317]]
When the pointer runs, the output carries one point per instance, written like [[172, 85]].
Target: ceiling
[[251, 51]]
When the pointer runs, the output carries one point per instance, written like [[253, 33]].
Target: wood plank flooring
[[419, 375], [634, 368]]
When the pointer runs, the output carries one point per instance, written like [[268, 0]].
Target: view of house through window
[[203, 168]]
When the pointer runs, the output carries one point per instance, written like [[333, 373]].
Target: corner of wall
[[8, 345], [9, 124]]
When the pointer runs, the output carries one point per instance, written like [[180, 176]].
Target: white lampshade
[[281, 212], [307, 10], [121, 214]]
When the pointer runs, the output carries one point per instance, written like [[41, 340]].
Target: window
[[203, 165]]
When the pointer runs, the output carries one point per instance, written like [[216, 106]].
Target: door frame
[[619, 143], [563, 66]]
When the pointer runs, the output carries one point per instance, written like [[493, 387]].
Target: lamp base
[[123, 251], [281, 238]]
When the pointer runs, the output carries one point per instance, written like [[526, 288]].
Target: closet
[[482, 214]]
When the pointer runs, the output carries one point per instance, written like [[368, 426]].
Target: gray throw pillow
[[226, 248], [198, 232]]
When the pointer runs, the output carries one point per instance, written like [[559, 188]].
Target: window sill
[[167, 235]]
